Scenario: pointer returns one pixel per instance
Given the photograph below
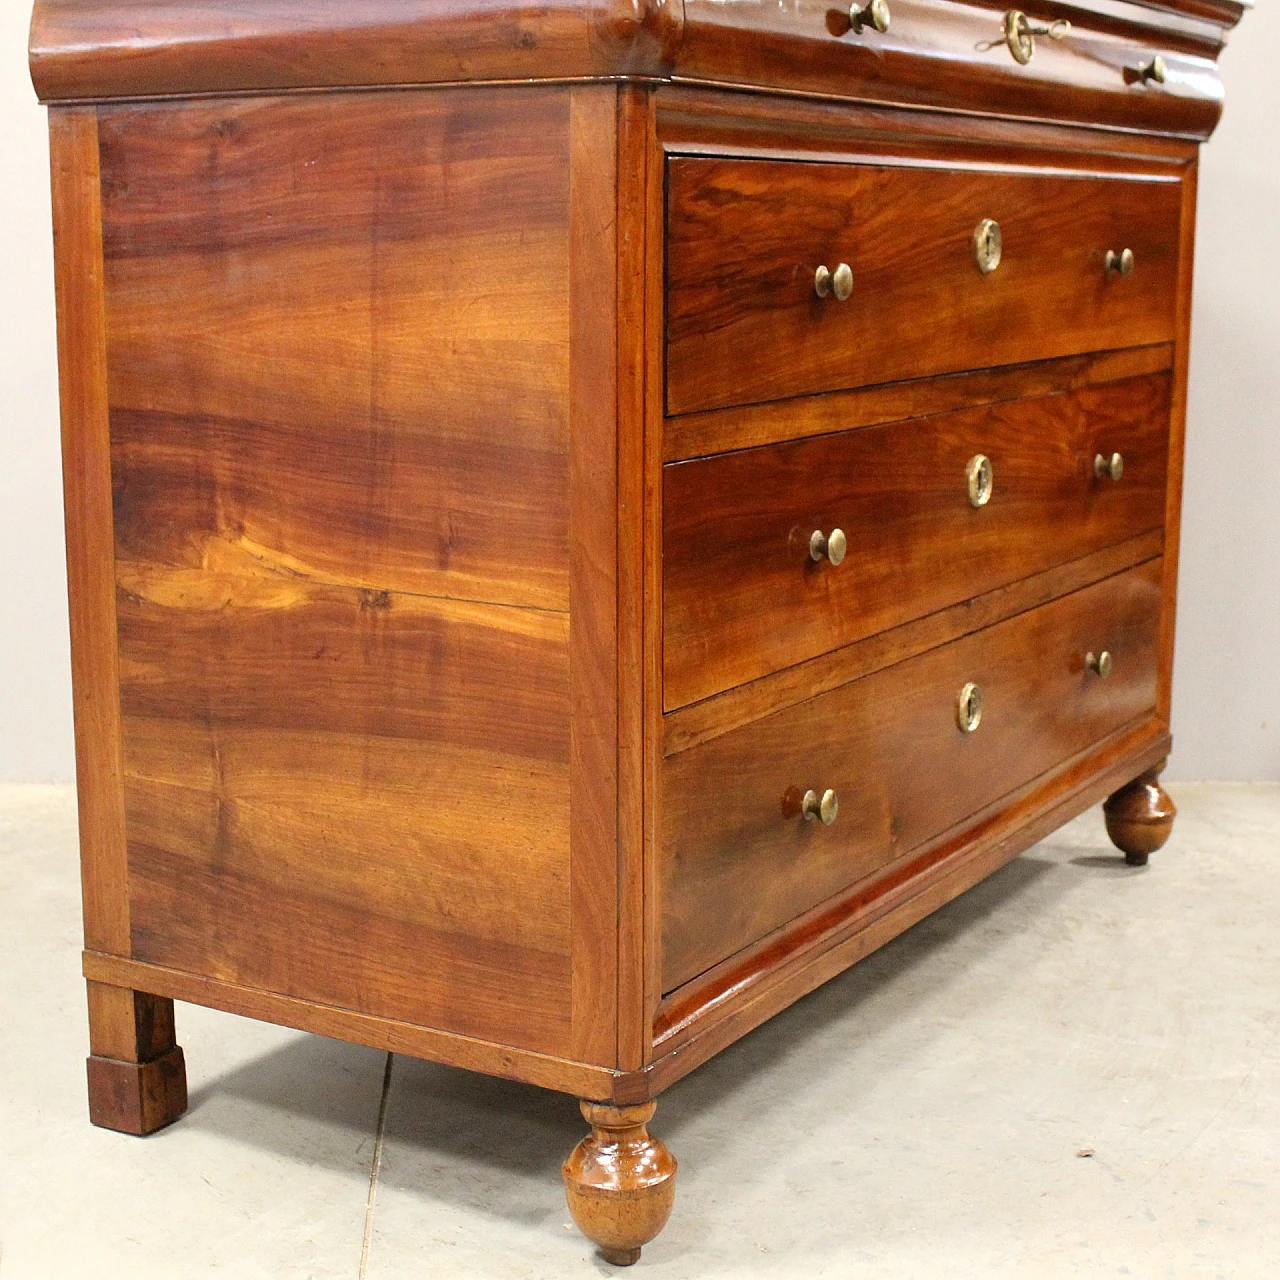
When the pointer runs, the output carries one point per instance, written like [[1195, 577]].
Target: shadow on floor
[[517, 1131]]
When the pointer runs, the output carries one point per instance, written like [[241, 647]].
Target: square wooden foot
[[137, 1097]]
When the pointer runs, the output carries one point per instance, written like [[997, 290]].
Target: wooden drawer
[[738, 859], [744, 322], [744, 597]]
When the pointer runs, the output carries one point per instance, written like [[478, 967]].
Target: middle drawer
[[748, 589]]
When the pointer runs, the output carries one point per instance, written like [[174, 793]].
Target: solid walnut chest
[[586, 518]]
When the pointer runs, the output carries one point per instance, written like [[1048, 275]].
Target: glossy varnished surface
[[744, 323], [739, 860], [936, 53], [342, 560], [127, 48], [743, 597], [386, 379]]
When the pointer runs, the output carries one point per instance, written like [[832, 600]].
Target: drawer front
[[746, 237], [739, 859], [743, 595]]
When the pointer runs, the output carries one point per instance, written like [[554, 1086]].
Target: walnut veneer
[[573, 536]]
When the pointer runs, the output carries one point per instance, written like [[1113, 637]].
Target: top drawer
[[746, 238]]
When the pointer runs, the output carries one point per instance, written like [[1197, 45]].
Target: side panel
[[340, 416]]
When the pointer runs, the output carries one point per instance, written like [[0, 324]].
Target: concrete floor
[[929, 1114]]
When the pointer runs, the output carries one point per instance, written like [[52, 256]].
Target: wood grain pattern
[[743, 597], [512, 1063], [702, 721], [745, 237], [593, 593], [342, 474], [639, 699], [353, 798], [368, 393], [933, 55], [695, 435], [315, 359], [936, 55], [619, 1181], [699, 120], [739, 859], [136, 1071], [655, 372], [144, 48], [725, 1003], [86, 479]]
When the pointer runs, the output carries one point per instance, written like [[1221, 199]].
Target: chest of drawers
[[585, 519]]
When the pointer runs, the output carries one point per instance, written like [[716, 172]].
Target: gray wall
[[1226, 704], [1227, 681]]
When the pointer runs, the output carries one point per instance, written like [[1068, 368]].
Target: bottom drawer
[[738, 856]]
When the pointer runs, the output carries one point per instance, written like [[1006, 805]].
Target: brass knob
[[1104, 465], [874, 14], [824, 806], [1020, 35], [981, 479], [1153, 72], [1120, 264], [832, 545], [1099, 663], [969, 707], [839, 282], [987, 245]]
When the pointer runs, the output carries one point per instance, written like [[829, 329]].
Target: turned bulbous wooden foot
[[619, 1181], [1140, 817]]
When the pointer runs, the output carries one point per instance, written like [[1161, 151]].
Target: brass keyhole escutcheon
[[987, 245], [1020, 35], [838, 282], [1108, 465], [969, 707], [824, 807], [1099, 663], [875, 14], [1153, 72], [830, 546], [981, 480], [1120, 264]]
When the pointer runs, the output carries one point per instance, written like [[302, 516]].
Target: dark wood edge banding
[[701, 721]]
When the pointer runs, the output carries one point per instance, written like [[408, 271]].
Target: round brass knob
[[969, 707], [1153, 71], [839, 282], [832, 545], [875, 14], [1108, 465], [1099, 663], [987, 245], [1120, 264], [824, 806], [1020, 35], [980, 478]]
